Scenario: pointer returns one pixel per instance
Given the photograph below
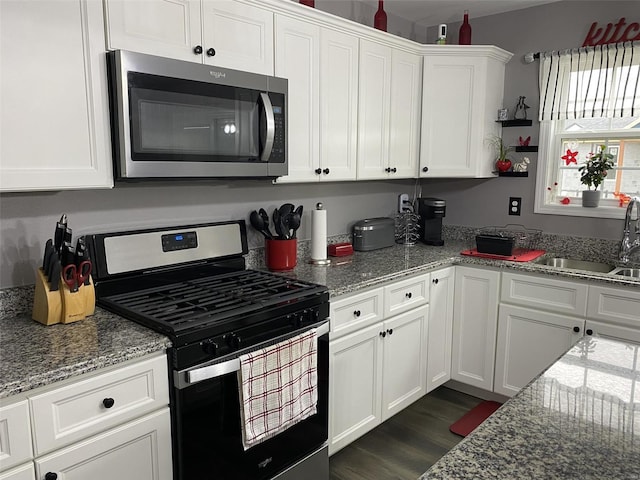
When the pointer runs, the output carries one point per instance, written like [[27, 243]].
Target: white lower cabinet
[[103, 425], [23, 472], [528, 342], [475, 316], [15, 434], [615, 332], [439, 337], [138, 450], [617, 305], [374, 373]]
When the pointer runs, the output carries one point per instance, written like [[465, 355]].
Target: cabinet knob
[[108, 402], [383, 334], [388, 170], [408, 295], [435, 280], [50, 476], [197, 49], [576, 329], [394, 170], [390, 331], [589, 331], [356, 313], [326, 171], [318, 171], [211, 52], [425, 169]]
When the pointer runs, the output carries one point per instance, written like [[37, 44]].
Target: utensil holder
[[281, 255]]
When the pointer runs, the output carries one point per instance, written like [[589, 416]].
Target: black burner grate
[[205, 301]]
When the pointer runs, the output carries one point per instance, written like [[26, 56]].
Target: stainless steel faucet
[[627, 247]]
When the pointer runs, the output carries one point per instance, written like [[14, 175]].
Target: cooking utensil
[[277, 224], [294, 223], [258, 224], [285, 214], [265, 219]]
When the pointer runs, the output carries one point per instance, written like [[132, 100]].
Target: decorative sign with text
[[612, 33]]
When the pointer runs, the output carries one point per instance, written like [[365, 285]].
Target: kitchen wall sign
[[612, 33]]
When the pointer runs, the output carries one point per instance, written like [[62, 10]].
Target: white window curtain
[[591, 82]]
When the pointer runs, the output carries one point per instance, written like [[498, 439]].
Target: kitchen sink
[[576, 264], [627, 272]]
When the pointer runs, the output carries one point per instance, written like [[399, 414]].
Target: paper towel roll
[[318, 233]]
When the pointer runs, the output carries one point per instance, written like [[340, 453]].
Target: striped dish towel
[[278, 387]]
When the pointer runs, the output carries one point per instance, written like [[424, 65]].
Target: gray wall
[[27, 220], [553, 26]]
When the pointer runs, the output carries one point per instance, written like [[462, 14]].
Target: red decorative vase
[[503, 165], [464, 37], [308, 3], [380, 18]]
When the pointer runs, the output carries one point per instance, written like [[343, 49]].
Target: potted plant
[[503, 164], [592, 174]]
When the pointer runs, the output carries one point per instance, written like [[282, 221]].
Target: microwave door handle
[[271, 127]]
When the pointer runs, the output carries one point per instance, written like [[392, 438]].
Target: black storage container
[[494, 244]]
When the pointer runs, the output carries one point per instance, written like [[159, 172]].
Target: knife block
[[61, 306], [47, 305]]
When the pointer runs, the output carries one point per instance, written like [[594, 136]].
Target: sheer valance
[[591, 82]]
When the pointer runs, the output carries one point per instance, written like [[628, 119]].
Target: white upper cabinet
[[321, 66], [388, 112], [462, 91], [297, 58], [224, 33], [54, 118]]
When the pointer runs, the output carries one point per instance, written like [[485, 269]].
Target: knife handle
[[73, 304], [47, 304]]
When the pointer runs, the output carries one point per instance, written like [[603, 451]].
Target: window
[[588, 99]]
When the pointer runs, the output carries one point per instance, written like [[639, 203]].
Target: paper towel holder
[[319, 261]]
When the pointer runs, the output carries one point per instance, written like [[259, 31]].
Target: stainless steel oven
[[177, 119], [191, 284]]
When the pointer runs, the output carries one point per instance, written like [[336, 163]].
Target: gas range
[[190, 283]]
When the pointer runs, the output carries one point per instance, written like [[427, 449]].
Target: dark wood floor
[[406, 445]]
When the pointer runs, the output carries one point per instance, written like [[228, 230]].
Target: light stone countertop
[[580, 419], [33, 355]]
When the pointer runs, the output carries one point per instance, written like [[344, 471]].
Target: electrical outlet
[[403, 200], [515, 205]]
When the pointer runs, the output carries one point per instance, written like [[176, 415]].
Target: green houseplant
[[592, 174], [503, 164]]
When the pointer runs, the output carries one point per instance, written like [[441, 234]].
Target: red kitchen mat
[[519, 255], [474, 417]]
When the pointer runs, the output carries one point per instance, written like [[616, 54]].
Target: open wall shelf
[[515, 123], [513, 174], [528, 148]]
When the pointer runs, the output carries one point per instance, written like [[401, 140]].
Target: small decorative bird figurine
[[521, 110], [524, 142]]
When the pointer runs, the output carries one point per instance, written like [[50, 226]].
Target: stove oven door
[[208, 437]]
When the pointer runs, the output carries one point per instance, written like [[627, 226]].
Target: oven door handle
[[217, 370]]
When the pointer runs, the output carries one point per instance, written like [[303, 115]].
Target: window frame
[[548, 151]]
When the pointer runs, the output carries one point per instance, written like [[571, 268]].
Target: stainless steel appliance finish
[[177, 119], [214, 310], [373, 233]]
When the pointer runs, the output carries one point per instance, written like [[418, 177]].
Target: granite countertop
[[366, 269], [580, 419], [33, 355]]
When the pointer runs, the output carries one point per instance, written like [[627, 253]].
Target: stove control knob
[[209, 347], [234, 341]]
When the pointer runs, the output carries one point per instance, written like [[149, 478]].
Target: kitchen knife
[[48, 251], [54, 278], [58, 236]]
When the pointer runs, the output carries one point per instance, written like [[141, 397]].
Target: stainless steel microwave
[[177, 119]]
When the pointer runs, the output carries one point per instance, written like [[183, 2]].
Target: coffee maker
[[431, 211]]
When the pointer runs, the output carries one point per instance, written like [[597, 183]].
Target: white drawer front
[[406, 294], [76, 411], [545, 293], [619, 305], [15, 435], [23, 472], [354, 312]]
